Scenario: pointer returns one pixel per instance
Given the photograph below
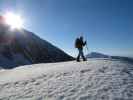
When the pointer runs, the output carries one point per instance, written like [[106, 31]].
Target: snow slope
[[96, 79]]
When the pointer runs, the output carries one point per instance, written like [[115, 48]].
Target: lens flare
[[13, 20]]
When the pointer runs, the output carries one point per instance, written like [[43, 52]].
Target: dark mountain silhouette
[[21, 47]]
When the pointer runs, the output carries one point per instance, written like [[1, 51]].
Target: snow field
[[96, 79]]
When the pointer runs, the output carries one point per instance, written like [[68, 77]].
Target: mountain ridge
[[101, 55], [21, 47]]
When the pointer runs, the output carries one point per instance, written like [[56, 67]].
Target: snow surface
[[95, 79]]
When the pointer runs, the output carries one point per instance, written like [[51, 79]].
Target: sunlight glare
[[13, 20]]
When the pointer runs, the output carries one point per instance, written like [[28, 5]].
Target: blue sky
[[106, 24]]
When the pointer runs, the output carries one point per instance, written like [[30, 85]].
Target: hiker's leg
[[78, 57], [82, 54]]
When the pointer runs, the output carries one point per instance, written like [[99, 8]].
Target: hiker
[[79, 44]]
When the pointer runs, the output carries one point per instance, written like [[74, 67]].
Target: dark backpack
[[77, 43]]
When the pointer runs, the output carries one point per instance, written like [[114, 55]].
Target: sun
[[13, 20]]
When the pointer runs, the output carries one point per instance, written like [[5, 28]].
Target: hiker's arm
[[84, 43]]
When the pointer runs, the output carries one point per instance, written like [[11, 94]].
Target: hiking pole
[[87, 48]]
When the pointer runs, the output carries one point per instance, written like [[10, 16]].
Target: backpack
[[77, 43]]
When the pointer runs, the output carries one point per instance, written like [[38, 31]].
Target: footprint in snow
[[103, 69], [85, 70]]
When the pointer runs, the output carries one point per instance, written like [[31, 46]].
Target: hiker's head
[[81, 37]]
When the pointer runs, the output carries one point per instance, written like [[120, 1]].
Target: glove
[[85, 43]]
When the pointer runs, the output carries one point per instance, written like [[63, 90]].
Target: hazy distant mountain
[[20, 47], [97, 55], [128, 59], [100, 55]]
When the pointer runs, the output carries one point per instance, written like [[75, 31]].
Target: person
[[79, 44]]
